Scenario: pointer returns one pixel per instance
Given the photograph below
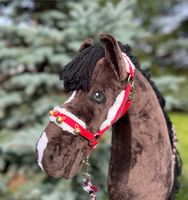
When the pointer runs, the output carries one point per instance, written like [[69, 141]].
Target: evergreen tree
[[36, 40], [165, 50]]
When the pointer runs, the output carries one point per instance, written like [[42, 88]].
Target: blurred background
[[38, 37]]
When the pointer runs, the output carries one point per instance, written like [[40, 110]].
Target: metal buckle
[[95, 139], [131, 82], [131, 94]]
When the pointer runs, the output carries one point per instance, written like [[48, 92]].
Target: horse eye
[[98, 96]]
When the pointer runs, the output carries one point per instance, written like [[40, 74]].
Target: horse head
[[100, 79]]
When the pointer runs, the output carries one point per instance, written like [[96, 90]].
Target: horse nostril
[[51, 157]]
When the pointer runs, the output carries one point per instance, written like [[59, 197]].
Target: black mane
[[77, 76]]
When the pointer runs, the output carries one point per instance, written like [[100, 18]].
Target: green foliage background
[[39, 37]]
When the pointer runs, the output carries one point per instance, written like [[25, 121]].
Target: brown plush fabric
[[113, 56], [141, 160], [92, 113], [57, 160], [141, 165], [64, 154], [85, 44]]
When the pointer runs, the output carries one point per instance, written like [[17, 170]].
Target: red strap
[[121, 111], [127, 92], [87, 134], [126, 108], [131, 70], [100, 133], [83, 132], [103, 131]]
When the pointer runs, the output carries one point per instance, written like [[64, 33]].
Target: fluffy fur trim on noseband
[[41, 146], [66, 112], [70, 98], [113, 110]]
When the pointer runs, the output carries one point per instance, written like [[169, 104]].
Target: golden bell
[[59, 120], [51, 112], [77, 131]]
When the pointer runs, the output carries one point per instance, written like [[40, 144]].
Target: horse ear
[[114, 56], [85, 44]]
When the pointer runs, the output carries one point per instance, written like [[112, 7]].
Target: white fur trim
[[66, 112], [62, 125], [127, 61], [71, 97], [113, 110], [41, 146]]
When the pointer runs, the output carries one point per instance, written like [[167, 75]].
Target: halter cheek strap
[[68, 123]]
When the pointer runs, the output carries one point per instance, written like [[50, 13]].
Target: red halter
[[80, 130]]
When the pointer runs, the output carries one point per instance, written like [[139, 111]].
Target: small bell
[[59, 119], [77, 130], [51, 112]]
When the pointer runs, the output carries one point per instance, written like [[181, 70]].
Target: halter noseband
[[59, 117]]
